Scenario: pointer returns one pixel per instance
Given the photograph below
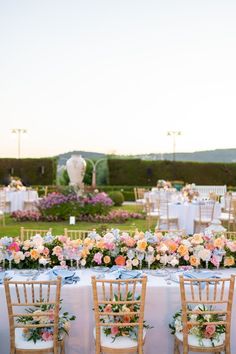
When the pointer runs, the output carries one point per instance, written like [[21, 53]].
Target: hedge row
[[32, 171], [141, 172]]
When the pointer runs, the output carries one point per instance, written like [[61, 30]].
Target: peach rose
[[194, 261], [107, 259], [229, 261], [219, 242], [141, 245], [182, 250], [34, 254]]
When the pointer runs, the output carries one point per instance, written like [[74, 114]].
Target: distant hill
[[219, 155]]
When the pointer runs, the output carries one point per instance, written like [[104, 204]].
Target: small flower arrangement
[[162, 184], [189, 192], [204, 330], [116, 331], [44, 333], [16, 184]]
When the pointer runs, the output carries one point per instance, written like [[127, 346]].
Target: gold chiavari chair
[[103, 295], [29, 204], [152, 214], [229, 217], [139, 197], [217, 295], [229, 235], [76, 234], [22, 295], [165, 218], [204, 216], [26, 234]]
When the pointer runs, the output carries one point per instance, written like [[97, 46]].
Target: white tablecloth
[[162, 301], [17, 198]]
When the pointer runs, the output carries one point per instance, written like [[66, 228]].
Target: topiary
[[117, 198]]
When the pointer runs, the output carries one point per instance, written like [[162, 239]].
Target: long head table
[[162, 301]]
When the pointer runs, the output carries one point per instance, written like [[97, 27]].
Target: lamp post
[[94, 164], [19, 131], [174, 134]]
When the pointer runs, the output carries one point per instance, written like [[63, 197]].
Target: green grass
[[12, 228]]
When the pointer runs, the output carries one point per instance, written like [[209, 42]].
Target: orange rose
[[194, 261], [229, 261], [120, 261], [182, 250]]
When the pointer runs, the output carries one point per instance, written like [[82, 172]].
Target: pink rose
[[27, 254], [114, 330], [13, 247], [110, 246], [46, 251], [98, 258], [57, 251], [108, 308], [215, 260], [46, 336], [210, 330]]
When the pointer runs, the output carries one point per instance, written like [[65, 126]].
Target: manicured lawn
[[12, 227]]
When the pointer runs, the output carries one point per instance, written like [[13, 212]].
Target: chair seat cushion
[[226, 217], [194, 341], [119, 342], [171, 217], [1, 212], [22, 343], [153, 213]]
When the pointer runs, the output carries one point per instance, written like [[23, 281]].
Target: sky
[[114, 76]]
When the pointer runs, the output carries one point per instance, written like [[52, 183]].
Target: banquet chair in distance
[[177, 232], [165, 218], [151, 213], [29, 204], [229, 217], [205, 215], [103, 295], [22, 295], [26, 234], [217, 295], [229, 235], [76, 234], [139, 197]]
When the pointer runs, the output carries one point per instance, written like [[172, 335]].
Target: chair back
[[216, 294], [24, 295], [121, 293], [76, 234], [26, 234], [206, 210], [139, 193]]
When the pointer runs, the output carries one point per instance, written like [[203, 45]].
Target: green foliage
[[31, 171], [117, 198], [64, 180], [142, 172]]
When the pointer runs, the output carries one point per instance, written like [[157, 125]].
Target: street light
[[94, 164], [19, 131], [174, 134]]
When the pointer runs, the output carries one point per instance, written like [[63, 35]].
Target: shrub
[[117, 198], [57, 206]]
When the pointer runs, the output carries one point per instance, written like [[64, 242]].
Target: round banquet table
[[17, 198], [162, 301]]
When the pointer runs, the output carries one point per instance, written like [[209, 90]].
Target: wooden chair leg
[[176, 347], [63, 347]]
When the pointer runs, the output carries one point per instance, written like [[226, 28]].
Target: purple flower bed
[[116, 216]]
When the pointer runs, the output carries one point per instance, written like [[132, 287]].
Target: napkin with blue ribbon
[[68, 276], [125, 274], [201, 275]]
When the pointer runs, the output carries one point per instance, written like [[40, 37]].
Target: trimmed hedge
[[32, 171], [141, 172]]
